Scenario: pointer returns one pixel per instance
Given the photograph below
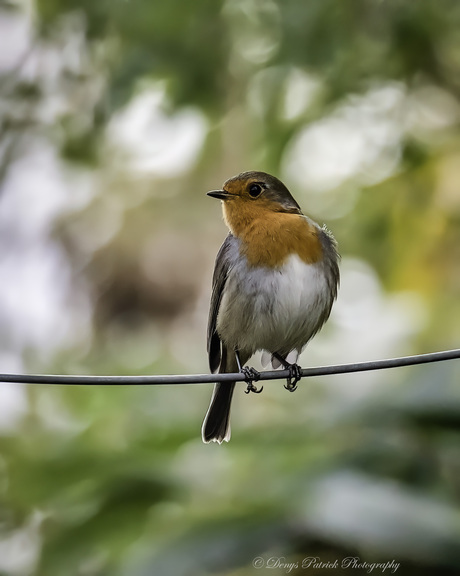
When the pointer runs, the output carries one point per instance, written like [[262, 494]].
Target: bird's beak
[[219, 194]]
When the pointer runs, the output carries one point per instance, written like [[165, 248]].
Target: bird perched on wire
[[275, 280]]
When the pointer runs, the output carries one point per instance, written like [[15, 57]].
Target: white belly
[[273, 310]]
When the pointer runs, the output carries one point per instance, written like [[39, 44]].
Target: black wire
[[237, 377]]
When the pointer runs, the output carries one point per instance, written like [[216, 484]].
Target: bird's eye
[[255, 190]]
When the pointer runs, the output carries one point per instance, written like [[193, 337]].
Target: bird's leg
[[295, 372], [250, 374]]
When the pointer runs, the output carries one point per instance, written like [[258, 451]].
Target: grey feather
[[221, 270]]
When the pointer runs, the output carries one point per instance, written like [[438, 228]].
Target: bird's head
[[251, 195]]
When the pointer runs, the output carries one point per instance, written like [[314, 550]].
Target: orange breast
[[269, 237]]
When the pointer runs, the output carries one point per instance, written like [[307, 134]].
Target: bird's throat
[[268, 238]]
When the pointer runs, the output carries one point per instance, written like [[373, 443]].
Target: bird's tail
[[216, 425]]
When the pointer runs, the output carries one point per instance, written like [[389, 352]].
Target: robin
[[275, 280]]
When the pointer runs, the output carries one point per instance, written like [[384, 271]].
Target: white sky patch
[[15, 36], [431, 108], [361, 139], [153, 142], [39, 188], [37, 307], [300, 91], [255, 30], [20, 549]]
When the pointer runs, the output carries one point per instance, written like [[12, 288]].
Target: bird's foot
[[295, 374], [251, 375]]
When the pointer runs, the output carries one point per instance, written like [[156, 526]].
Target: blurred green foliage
[[112, 481]]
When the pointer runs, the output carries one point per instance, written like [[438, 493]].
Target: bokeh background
[[115, 119]]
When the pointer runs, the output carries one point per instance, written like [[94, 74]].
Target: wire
[[74, 380]]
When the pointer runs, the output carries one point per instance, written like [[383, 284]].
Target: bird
[[275, 279]]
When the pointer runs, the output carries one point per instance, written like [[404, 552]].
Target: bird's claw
[[251, 375], [252, 388], [295, 374]]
